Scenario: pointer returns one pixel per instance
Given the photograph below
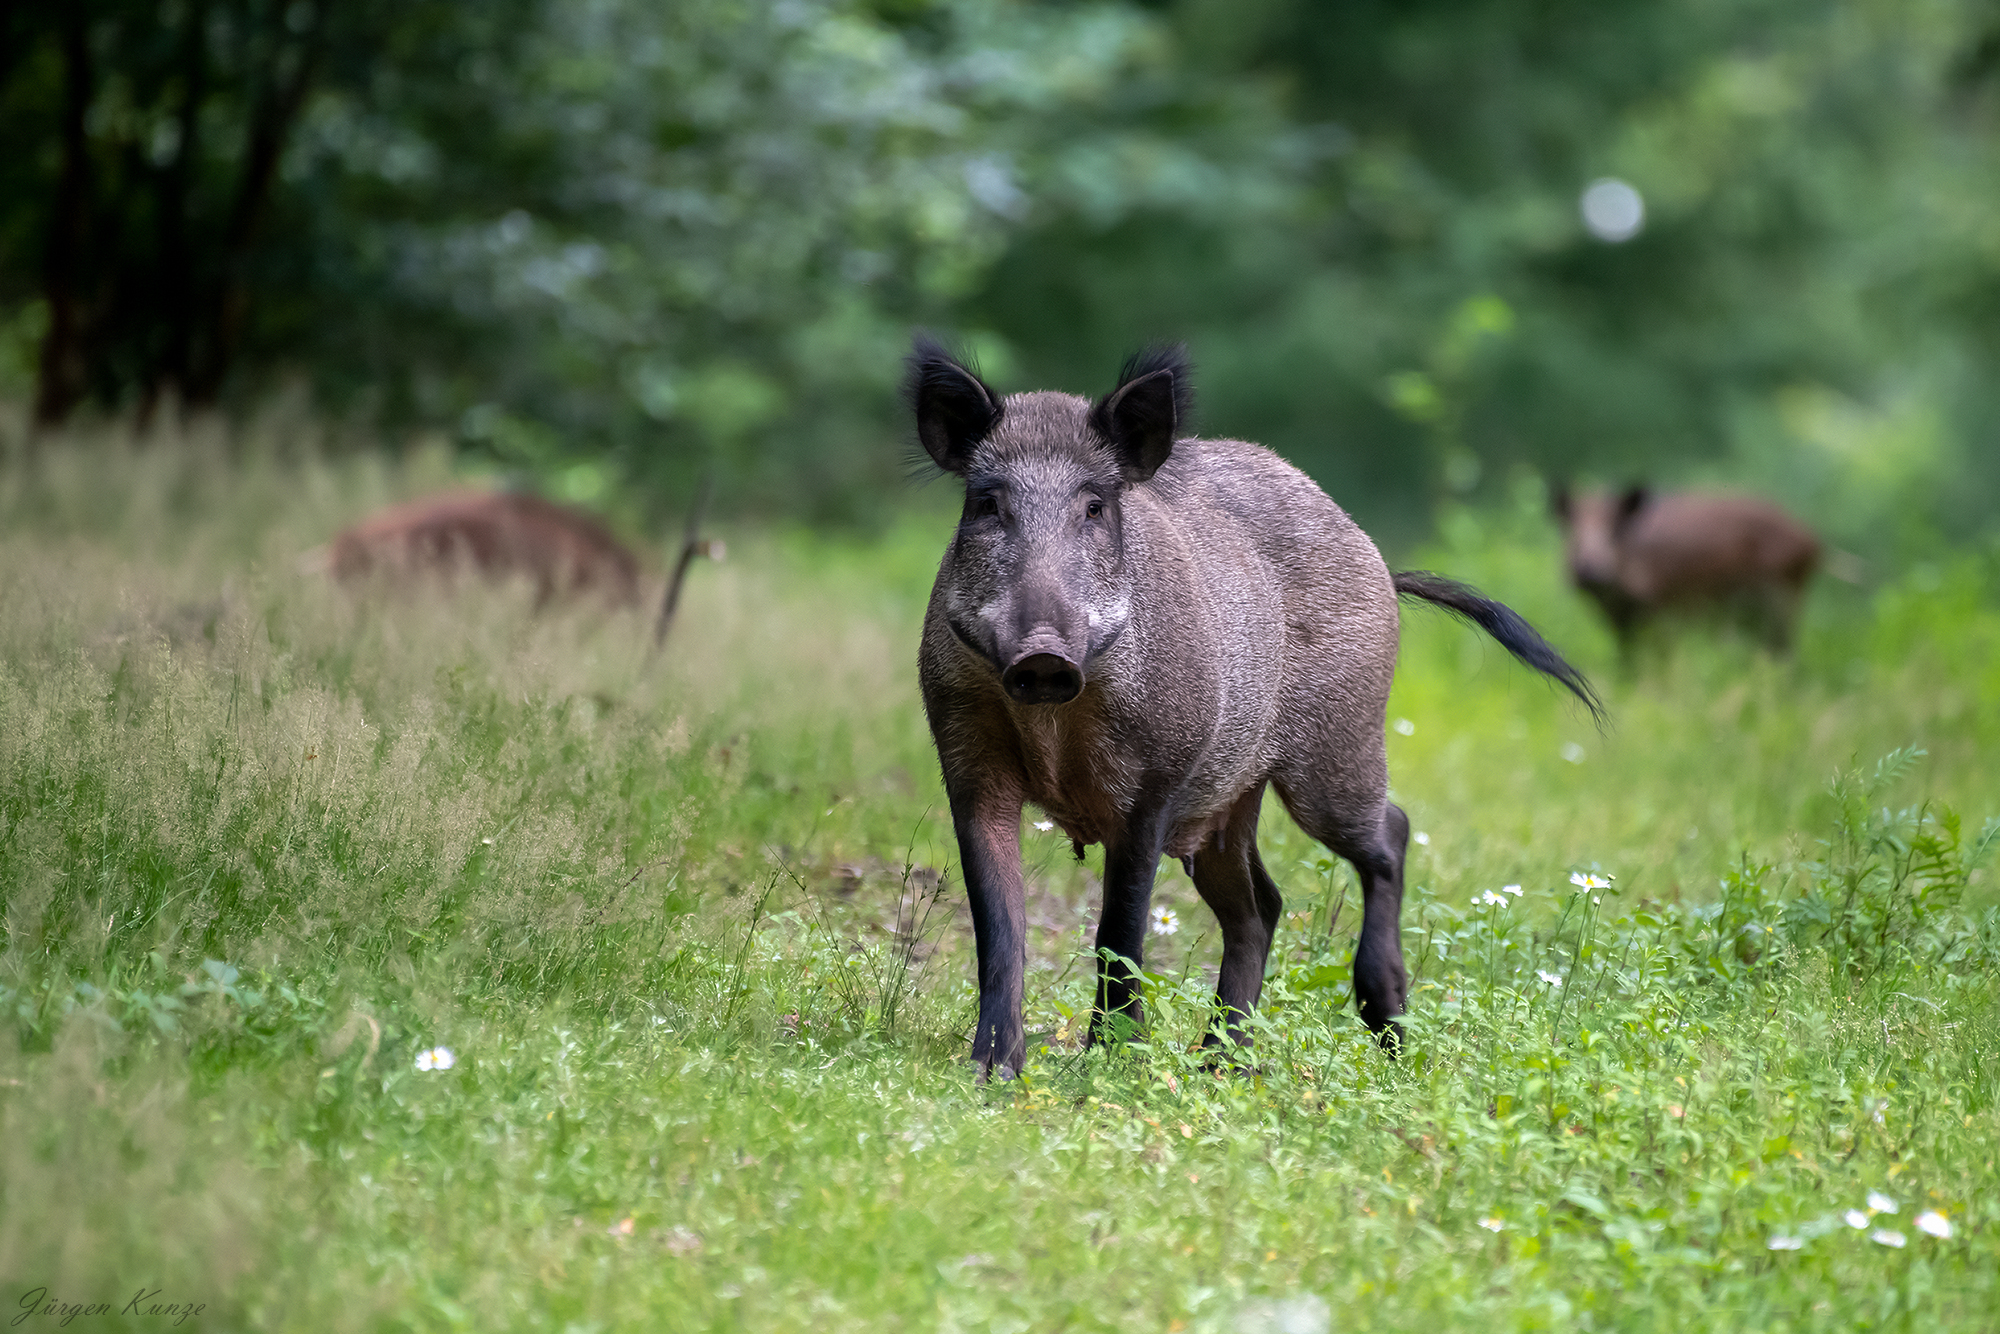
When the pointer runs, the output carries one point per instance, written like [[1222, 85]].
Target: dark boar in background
[[1137, 632], [496, 534], [1638, 554]]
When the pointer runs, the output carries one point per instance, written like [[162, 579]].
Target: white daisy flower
[[1932, 1223], [437, 1058], [1490, 899], [1045, 825], [1515, 890], [1856, 1219], [1878, 1203], [1553, 979], [1584, 881], [1883, 1236], [1492, 1224], [1422, 839], [1404, 727], [1780, 1242], [1165, 921]]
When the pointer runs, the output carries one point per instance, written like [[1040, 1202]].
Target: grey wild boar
[[497, 534], [1637, 554], [1137, 632]]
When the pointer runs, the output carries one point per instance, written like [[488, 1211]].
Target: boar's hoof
[[999, 1072], [1390, 1035], [1228, 1058], [1043, 678]]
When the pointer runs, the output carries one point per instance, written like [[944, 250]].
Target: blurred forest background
[[613, 244]]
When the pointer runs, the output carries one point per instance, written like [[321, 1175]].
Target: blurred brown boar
[[1640, 554], [501, 535]]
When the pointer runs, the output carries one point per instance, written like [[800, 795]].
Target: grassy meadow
[[692, 933]]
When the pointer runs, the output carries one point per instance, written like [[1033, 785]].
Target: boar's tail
[[1504, 624]]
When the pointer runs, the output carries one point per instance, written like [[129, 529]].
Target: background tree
[[614, 244]]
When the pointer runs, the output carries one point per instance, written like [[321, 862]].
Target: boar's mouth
[[1041, 671], [967, 638]]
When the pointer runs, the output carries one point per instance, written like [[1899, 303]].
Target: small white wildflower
[[1596, 899], [486, 842], [1404, 727], [1883, 1236], [1780, 1242], [1492, 1224], [1553, 979], [437, 1058], [1165, 921], [1045, 825], [1515, 890], [1423, 839], [1856, 1219], [1585, 881], [1933, 1223], [1878, 1203], [1489, 898], [1572, 752]]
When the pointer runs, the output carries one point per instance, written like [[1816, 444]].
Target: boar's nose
[[1042, 678]]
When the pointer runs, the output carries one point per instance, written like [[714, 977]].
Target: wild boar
[[498, 534], [1638, 554], [1138, 631]]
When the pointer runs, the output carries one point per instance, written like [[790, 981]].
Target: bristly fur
[[1160, 357], [931, 366], [1504, 624]]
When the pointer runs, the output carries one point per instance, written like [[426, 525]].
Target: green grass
[[693, 931]]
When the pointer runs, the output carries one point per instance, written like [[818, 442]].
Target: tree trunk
[[63, 376], [176, 279], [229, 304]]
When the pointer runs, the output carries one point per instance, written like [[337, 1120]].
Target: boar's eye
[[984, 507], [1094, 510]]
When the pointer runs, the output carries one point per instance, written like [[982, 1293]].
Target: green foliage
[[614, 245]]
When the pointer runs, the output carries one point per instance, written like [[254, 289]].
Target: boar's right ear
[[955, 410], [1635, 499], [1151, 405]]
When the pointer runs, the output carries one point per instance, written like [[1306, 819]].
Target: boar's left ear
[[955, 410], [1152, 404]]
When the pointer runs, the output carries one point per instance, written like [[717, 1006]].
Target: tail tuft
[[1504, 624]]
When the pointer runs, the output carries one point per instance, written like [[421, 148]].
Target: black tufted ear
[[1154, 402], [955, 410], [1635, 499]]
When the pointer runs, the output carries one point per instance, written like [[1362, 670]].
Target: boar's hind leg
[[989, 847], [1375, 844], [1381, 985], [1232, 881]]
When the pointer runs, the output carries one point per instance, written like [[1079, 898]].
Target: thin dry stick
[[692, 545]]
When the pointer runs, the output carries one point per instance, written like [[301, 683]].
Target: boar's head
[[1037, 582], [1594, 528]]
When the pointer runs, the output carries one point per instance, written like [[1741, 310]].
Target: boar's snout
[[1039, 676]]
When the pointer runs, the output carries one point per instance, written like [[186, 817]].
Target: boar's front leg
[[988, 824], [1130, 863]]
